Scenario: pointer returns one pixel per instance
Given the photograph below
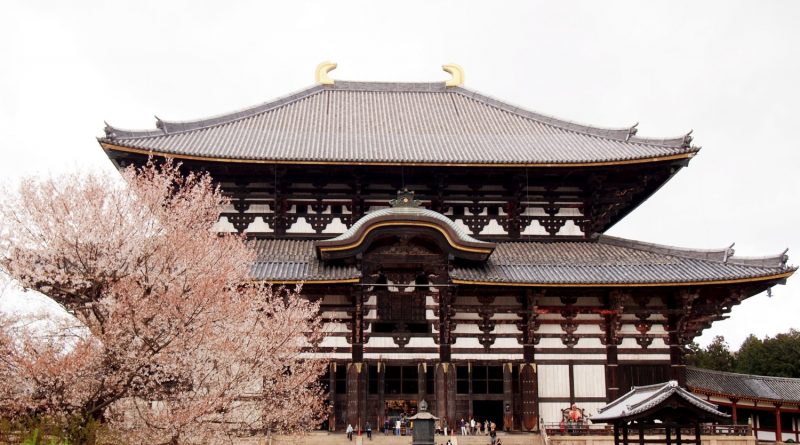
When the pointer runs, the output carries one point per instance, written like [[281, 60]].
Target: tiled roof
[[643, 398], [744, 386], [606, 261], [425, 123], [613, 261], [292, 260]]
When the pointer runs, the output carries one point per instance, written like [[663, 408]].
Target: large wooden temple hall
[[456, 244]]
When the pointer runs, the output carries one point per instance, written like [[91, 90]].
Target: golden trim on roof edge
[[120, 148]]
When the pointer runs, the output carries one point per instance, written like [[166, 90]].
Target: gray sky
[[727, 69]]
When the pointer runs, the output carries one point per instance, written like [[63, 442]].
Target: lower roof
[[607, 261], [743, 386]]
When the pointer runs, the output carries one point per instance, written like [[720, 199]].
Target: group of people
[[468, 427], [397, 425], [367, 429]]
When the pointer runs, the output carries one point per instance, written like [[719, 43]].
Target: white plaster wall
[[506, 342], [223, 226], [468, 342], [569, 229], [534, 228], [644, 357], [590, 380], [541, 357], [259, 225], [301, 226], [335, 226], [334, 342], [553, 380]]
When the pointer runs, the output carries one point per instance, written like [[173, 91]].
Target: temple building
[[456, 244]]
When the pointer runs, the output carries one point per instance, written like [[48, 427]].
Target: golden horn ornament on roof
[[321, 74], [457, 72]]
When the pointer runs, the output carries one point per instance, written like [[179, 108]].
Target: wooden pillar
[[625, 433], [421, 381], [613, 323], [678, 435], [641, 434], [356, 394], [357, 326], [697, 433], [616, 434], [508, 398], [332, 396], [668, 436], [445, 387], [528, 380], [734, 414], [678, 311], [778, 429], [446, 313], [381, 394]]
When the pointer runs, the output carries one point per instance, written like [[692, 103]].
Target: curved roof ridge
[[724, 255], [777, 260], [739, 374], [172, 127], [719, 255], [623, 134]]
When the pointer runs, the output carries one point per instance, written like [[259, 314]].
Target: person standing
[[385, 426], [463, 425], [349, 431], [368, 429], [472, 425], [397, 425]]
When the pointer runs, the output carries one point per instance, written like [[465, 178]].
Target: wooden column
[[356, 394], [332, 396], [734, 414], [778, 429], [357, 326], [508, 398], [381, 394], [697, 433], [445, 386], [421, 382], [446, 312], [528, 380], [679, 309], [613, 323]]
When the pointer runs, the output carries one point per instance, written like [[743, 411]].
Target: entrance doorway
[[491, 410]]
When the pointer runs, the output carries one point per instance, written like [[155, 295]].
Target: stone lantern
[[424, 427]]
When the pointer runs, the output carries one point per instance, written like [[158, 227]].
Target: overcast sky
[[729, 70]]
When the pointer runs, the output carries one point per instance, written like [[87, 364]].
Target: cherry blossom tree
[[181, 346]]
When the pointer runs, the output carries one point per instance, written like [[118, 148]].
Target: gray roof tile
[[396, 123], [743, 385], [606, 261], [640, 399]]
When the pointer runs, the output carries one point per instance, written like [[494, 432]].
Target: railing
[[588, 429], [576, 429]]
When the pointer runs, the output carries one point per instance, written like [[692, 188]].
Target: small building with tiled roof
[[771, 405], [456, 245]]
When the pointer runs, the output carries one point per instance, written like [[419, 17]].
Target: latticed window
[[487, 379], [401, 380]]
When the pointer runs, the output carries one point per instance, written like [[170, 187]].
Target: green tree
[[778, 356], [717, 355]]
